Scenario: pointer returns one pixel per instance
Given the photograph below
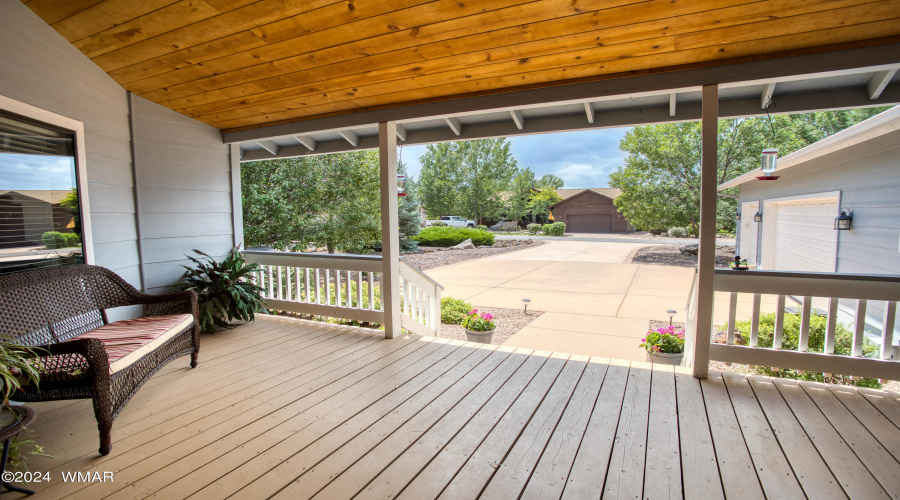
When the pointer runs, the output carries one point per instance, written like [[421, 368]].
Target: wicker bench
[[62, 311]]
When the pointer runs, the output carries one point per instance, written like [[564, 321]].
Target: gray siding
[[39, 67], [179, 167], [184, 191]]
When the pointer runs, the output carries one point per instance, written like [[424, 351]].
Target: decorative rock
[[690, 249], [466, 245]]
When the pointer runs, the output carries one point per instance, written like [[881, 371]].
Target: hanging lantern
[[768, 164], [757, 217], [844, 222]]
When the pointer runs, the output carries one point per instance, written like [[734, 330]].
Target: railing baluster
[[860, 330], [406, 299], [831, 325], [732, 316], [359, 296], [754, 320], [337, 287], [779, 323], [803, 341], [420, 300], [371, 279], [288, 293], [348, 293], [278, 282], [328, 286], [887, 329], [297, 285], [269, 282], [318, 288], [306, 284]]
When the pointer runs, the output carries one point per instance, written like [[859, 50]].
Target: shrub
[[449, 236], [53, 240], [454, 311], [667, 339], [677, 232], [558, 229], [534, 229], [843, 343], [657, 232], [72, 240], [545, 229], [482, 227], [439, 224]]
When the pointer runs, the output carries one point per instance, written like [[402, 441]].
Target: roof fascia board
[[692, 78], [885, 123]]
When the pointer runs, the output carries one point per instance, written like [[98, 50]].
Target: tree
[[519, 195], [550, 181], [466, 178], [660, 180], [540, 202], [408, 216], [70, 201], [325, 200]]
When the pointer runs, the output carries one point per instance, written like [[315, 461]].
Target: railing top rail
[[366, 263], [858, 286], [415, 269]]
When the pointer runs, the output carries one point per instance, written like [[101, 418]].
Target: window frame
[[76, 128]]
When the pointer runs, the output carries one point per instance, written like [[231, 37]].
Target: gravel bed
[[432, 258], [508, 321], [670, 255]]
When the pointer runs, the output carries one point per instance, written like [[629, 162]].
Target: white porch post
[[707, 251], [390, 229]]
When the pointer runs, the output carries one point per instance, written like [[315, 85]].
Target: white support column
[[237, 214], [707, 252], [390, 230]]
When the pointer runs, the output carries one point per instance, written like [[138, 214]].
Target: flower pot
[[665, 358], [480, 337]]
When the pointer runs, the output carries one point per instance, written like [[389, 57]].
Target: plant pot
[[480, 337], [665, 358]]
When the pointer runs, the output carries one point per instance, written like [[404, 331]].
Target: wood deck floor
[[291, 409]]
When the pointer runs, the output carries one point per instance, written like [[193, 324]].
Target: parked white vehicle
[[452, 221]]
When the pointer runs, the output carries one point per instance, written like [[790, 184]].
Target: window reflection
[[40, 223]]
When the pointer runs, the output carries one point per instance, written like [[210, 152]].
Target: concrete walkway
[[593, 303]]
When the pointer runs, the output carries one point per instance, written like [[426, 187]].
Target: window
[[41, 221]]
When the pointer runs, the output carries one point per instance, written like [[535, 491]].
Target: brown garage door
[[589, 224]]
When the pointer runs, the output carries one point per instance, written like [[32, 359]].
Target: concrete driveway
[[593, 303]]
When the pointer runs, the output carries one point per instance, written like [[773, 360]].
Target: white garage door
[[805, 239]]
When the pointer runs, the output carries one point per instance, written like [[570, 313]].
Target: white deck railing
[[421, 298], [346, 287], [805, 287]]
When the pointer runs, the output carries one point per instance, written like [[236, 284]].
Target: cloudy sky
[[583, 159]]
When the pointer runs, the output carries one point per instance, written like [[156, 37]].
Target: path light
[[526, 301], [844, 222], [671, 315]]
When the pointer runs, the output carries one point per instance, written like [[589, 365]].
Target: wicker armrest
[[170, 303], [74, 358]]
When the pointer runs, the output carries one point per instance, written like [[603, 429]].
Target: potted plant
[[16, 370], [479, 327], [740, 264], [664, 345], [225, 290]]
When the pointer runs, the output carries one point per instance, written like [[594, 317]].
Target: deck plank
[[516, 468], [402, 471], [625, 475], [699, 468], [772, 467], [739, 477], [850, 472], [815, 478], [662, 474], [592, 459], [434, 478], [552, 472], [873, 420], [876, 458], [888, 406]]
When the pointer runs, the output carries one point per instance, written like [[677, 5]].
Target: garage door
[[805, 239], [589, 224]]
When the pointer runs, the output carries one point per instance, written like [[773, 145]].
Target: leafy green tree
[[408, 216], [519, 194], [660, 180], [70, 201], [326, 200], [466, 178], [540, 202], [550, 181]]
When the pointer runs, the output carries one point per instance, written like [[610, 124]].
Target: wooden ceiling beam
[[589, 111], [672, 103], [350, 136], [269, 146], [766, 97], [401, 132], [454, 125], [307, 141], [879, 82], [518, 119]]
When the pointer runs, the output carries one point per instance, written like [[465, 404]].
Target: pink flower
[[487, 316], [473, 311]]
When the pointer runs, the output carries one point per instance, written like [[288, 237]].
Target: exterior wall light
[[737, 216], [768, 164], [844, 222], [757, 217]]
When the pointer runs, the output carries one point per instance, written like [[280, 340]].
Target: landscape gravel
[[508, 321], [431, 258], [671, 255]]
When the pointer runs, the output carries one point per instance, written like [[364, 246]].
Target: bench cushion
[[128, 341]]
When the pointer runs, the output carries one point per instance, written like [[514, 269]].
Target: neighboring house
[[27, 214], [590, 211], [856, 170]]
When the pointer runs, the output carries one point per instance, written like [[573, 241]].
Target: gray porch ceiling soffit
[[643, 100]]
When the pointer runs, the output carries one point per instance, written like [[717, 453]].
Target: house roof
[[568, 194], [49, 196], [878, 125], [240, 64]]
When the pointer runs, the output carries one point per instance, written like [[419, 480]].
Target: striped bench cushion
[[128, 341]]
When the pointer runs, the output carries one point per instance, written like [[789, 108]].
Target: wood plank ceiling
[[239, 64]]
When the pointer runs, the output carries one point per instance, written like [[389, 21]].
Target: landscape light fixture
[[844, 222], [671, 315], [526, 301], [757, 217]]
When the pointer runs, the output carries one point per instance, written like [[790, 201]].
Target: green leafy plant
[[667, 339], [438, 224], [449, 236], [547, 229], [478, 322], [677, 232], [482, 227], [454, 311], [17, 368], [534, 229], [53, 240], [843, 345], [71, 240], [558, 229], [225, 289]]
